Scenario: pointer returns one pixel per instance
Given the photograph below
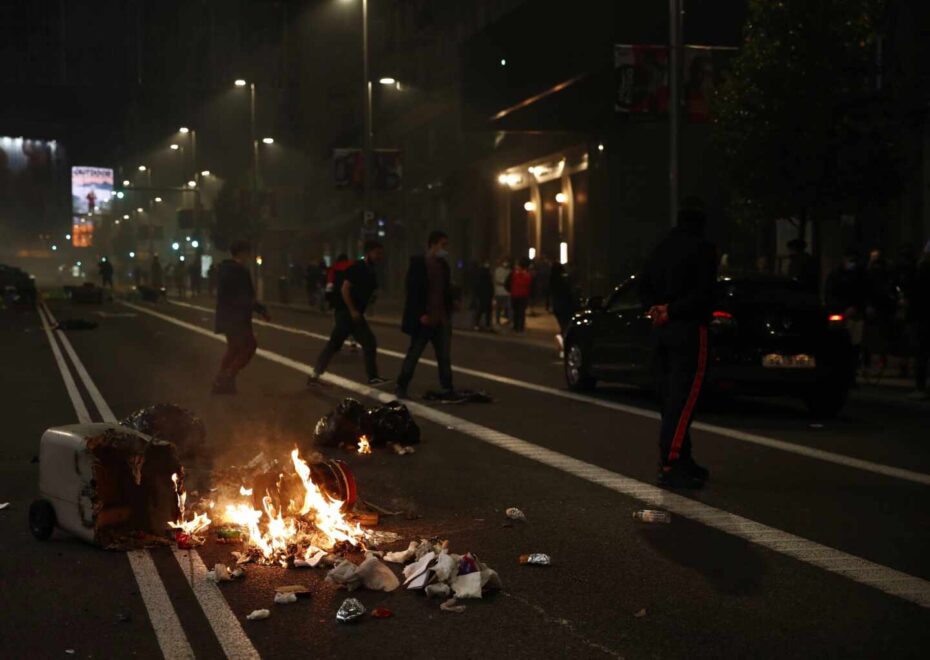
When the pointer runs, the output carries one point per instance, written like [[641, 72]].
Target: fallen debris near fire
[[106, 484], [652, 516], [515, 514], [536, 559], [350, 611], [355, 428], [167, 421], [258, 615], [371, 574], [452, 605], [284, 598]]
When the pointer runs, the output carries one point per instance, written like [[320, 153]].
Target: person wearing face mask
[[430, 300]]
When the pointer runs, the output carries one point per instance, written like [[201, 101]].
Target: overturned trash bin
[[167, 421], [105, 484]]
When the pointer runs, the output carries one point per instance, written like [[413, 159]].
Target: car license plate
[[779, 361]]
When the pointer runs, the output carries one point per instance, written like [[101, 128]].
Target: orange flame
[[195, 525], [364, 447]]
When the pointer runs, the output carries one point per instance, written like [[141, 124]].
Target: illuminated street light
[[192, 183], [175, 246], [116, 222], [67, 237], [561, 198], [120, 194], [140, 210], [132, 255], [175, 147], [240, 82], [268, 140], [387, 80], [529, 207], [205, 173], [126, 216], [54, 247], [182, 257], [126, 182], [258, 260], [187, 238], [563, 253], [600, 147], [195, 244], [184, 129], [141, 168], [158, 199], [503, 62], [532, 253]]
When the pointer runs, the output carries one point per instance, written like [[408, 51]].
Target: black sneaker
[[313, 379], [377, 381], [695, 470], [678, 475]]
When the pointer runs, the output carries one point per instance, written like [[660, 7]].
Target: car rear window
[[779, 292]]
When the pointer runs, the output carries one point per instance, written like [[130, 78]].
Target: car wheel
[[828, 401], [41, 519], [576, 370]]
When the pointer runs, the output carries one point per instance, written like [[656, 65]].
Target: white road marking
[[229, 632], [79, 408], [102, 407], [733, 434], [168, 631], [883, 578]]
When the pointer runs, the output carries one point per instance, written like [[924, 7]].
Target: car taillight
[[722, 318], [835, 318]]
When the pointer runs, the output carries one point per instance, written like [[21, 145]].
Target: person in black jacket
[[677, 287], [483, 297], [354, 289], [428, 312], [235, 304]]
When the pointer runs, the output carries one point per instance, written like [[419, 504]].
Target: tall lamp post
[[241, 82]]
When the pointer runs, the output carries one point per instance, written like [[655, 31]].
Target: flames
[[293, 519], [364, 447], [197, 524]]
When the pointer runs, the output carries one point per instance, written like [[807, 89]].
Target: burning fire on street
[[364, 447], [293, 514]]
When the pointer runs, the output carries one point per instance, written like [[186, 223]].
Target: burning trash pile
[[290, 514], [356, 428]]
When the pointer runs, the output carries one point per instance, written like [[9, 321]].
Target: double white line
[[168, 630]]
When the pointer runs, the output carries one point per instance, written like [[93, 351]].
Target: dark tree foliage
[[805, 126]]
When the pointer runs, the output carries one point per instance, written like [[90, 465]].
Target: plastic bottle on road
[[652, 516]]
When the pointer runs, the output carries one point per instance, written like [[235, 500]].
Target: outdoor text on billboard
[[91, 189]]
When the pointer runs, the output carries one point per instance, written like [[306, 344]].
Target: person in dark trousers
[[341, 263], [105, 268], [354, 288], [521, 288], [677, 287], [235, 304], [561, 301], [211, 279], [920, 310], [427, 318], [483, 297]]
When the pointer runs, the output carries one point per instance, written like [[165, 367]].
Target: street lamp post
[[366, 142]]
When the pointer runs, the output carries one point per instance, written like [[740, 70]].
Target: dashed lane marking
[[862, 571], [733, 434]]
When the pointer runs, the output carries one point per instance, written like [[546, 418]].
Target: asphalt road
[[788, 552]]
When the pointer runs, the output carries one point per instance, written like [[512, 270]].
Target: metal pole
[[674, 109], [366, 142], [252, 134], [196, 180]]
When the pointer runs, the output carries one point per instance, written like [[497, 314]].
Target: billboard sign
[[91, 189], [82, 232]]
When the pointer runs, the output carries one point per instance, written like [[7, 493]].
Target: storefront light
[[532, 253], [563, 253], [529, 207]]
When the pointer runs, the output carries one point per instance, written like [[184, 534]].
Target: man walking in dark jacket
[[235, 304], [353, 290], [677, 287], [428, 313]]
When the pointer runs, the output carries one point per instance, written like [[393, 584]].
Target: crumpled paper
[[402, 556], [257, 615], [438, 589], [372, 574], [284, 598], [314, 557], [452, 605]]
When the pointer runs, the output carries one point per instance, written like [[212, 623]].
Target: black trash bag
[[167, 421], [343, 426], [391, 423]]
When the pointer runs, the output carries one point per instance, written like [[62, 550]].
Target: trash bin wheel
[[41, 519]]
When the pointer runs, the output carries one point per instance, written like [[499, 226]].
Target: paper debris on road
[[220, 574], [402, 556], [438, 589], [258, 615], [515, 514], [296, 589], [467, 586], [452, 605], [284, 598], [536, 559], [418, 568], [375, 575], [445, 567]]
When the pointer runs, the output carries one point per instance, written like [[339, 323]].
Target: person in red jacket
[[521, 287]]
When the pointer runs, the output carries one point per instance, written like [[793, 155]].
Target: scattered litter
[[237, 573], [4, 505], [515, 514], [219, 574], [640, 614], [350, 611], [402, 556], [258, 615], [296, 589], [652, 516], [241, 557], [387, 425], [414, 572], [371, 574], [284, 598], [382, 613], [400, 450], [69, 651], [467, 586], [437, 589], [445, 568], [536, 559], [452, 605], [314, 557]]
